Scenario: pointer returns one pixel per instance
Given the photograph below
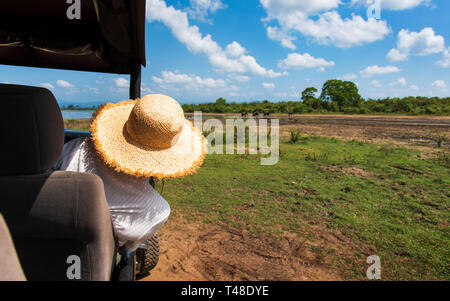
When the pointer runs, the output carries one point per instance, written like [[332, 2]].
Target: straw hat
[[148, 137]]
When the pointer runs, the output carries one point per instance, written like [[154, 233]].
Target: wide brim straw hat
[[148, 137]]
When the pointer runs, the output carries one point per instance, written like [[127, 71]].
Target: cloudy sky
[[199, 50]]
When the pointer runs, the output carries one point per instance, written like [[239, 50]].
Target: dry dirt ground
[[193, 251], [421, 133]]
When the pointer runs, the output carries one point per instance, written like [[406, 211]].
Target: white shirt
[[137, 210]]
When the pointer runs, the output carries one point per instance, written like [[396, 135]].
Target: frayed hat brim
[[124, 155]]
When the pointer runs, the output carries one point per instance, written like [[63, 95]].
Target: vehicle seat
[[51, 214]]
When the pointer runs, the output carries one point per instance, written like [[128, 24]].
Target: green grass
[[294, 136], [77, 124], [398, 209]]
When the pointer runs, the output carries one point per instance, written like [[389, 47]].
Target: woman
[[131, 142]]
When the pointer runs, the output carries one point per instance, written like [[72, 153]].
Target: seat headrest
[[31, 130]]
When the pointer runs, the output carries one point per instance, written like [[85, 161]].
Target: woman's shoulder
[[73, 146], [70, 151]]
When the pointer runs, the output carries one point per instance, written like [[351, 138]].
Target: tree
[[221, 105], [309, 93], [344, 93], [309, 98], [221, 101]]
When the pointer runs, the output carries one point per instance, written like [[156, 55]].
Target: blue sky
[[244, 50]]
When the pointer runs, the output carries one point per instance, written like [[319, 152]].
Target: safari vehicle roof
[[109, 36]]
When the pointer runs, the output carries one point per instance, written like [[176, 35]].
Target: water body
[[68, 114]]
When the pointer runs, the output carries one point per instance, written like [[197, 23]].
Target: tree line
[[73, 107], [337, 96]]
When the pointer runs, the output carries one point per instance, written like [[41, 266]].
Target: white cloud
[[401, 81], [64, 84], [268, 85], [145, 89], [47, 85], [94, 90], [395, 55], [377, 70], [122, 82], [445, 62], [287, 95], [326, 28], [274, 33], [200, 8], [349, 76], [70, 88], [302, 61], [276, 8], [440, 84], [375, 83], [414, 87], [330, 28], [238, 78], [190, 81], [420, 43], [235, 49], [394, 4], [222, 60]]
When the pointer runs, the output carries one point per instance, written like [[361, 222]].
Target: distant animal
[[266, 113], [244, 114], [255, 114]]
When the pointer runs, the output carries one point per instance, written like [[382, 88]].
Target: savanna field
[[331, 201]]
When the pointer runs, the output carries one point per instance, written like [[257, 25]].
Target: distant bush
[[294, 136], [336, 97], [408, 106]]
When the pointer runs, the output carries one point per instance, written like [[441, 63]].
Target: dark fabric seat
[[52, 215]]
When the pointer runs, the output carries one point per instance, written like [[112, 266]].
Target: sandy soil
[[194, 251]]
